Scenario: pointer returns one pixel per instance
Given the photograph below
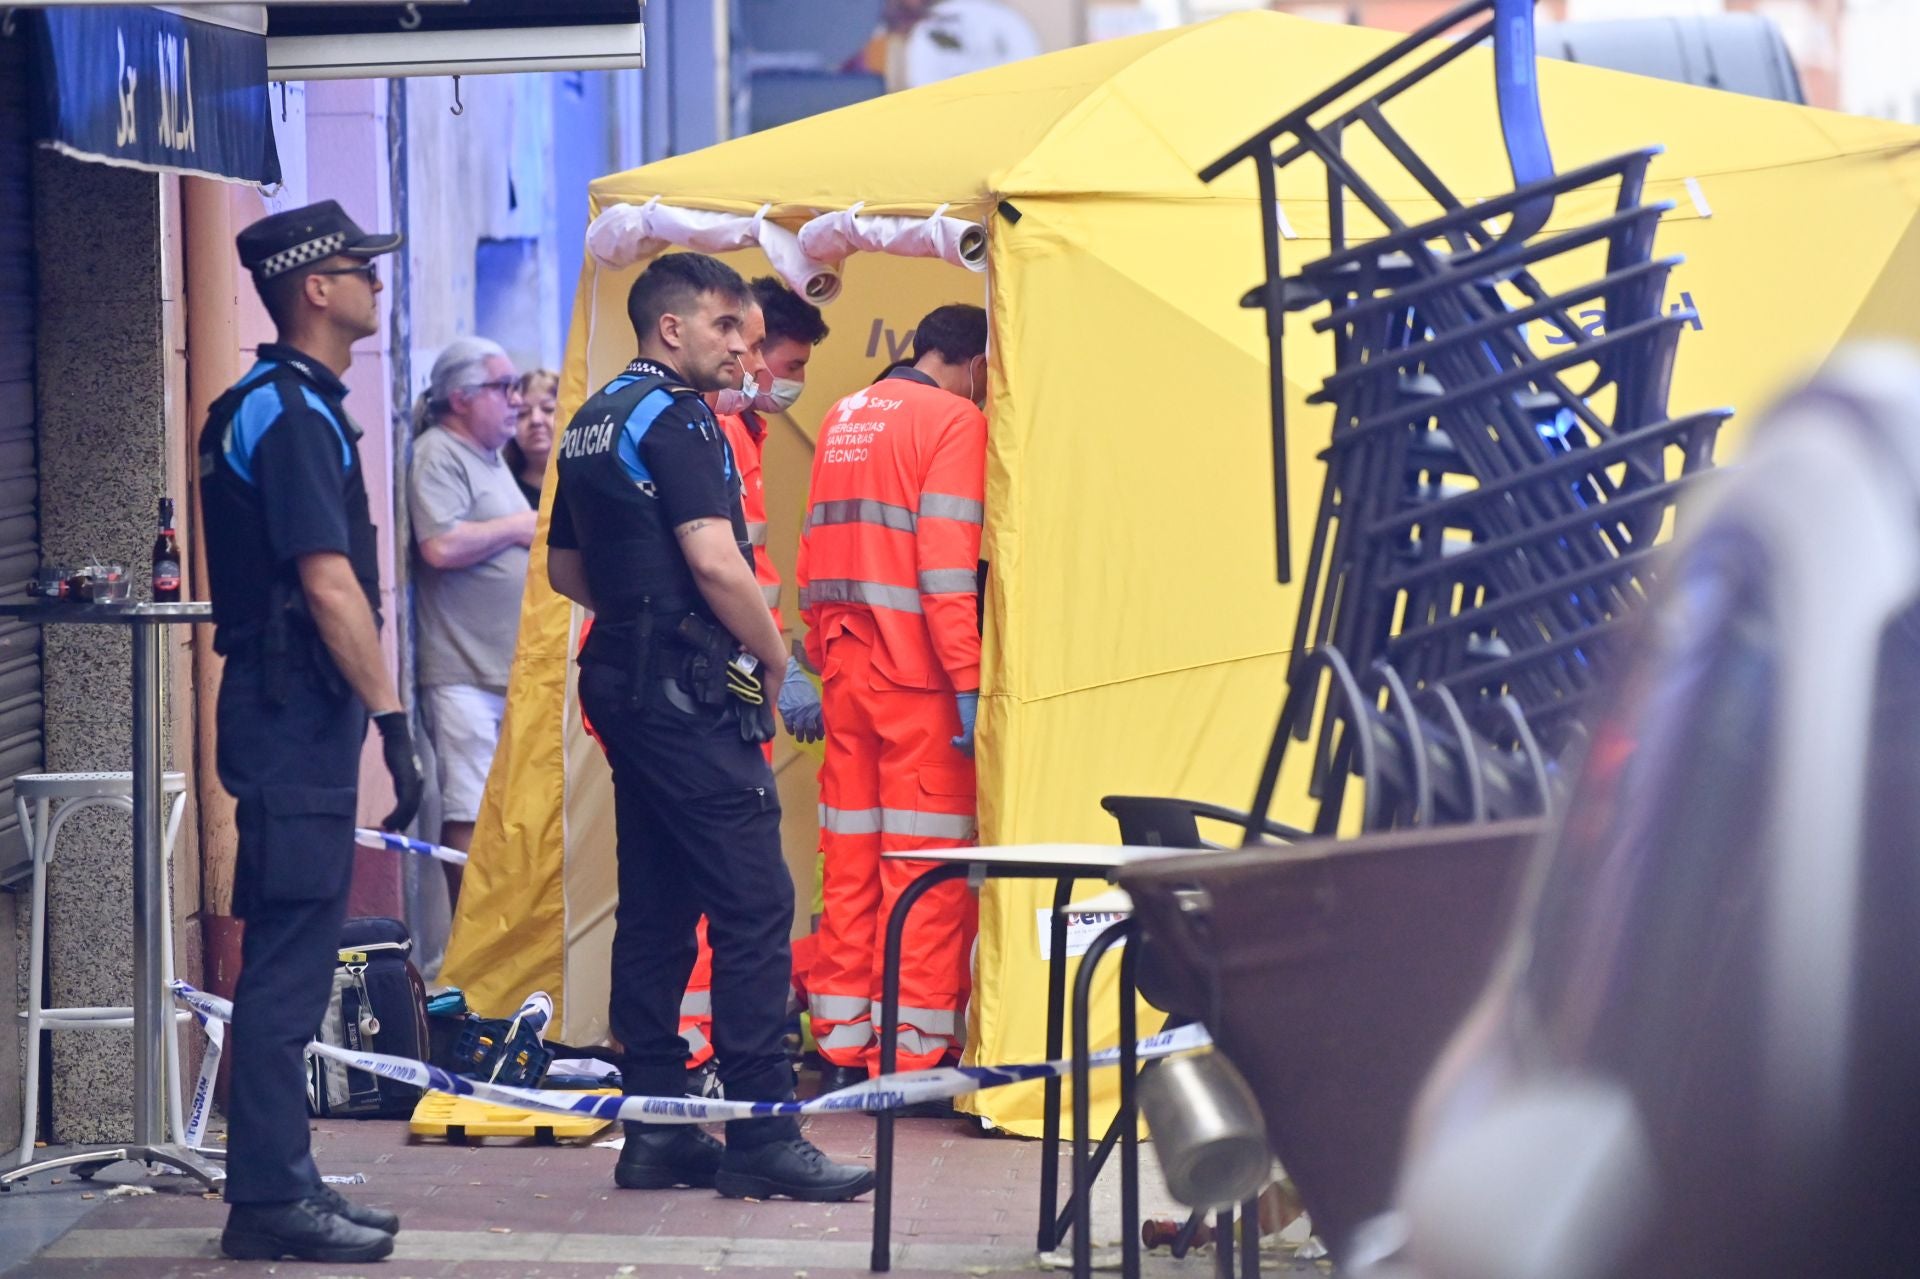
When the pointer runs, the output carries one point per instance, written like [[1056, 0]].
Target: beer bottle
[[166, 558]]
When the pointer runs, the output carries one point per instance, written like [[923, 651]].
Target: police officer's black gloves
[[756, 722], [751, 706], [403, 765]]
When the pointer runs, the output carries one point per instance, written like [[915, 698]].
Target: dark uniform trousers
[[294, 770], [699, 832]]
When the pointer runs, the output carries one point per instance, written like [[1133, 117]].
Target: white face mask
[[736, 399], [779, 397], [976, 392]]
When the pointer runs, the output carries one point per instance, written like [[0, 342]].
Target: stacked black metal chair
[[1489, 514], [1492, 496]]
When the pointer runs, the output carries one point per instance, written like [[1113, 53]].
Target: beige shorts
[[464, 722]]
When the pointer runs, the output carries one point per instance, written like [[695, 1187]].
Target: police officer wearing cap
[[679, 677], [295, 584]]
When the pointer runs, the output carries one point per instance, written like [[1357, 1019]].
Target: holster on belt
[[706, 670], [713, 647], [707, 676], [288, 637], [640, 658]]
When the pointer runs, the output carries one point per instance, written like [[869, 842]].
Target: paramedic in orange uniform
[[789, 327], [888, 587]]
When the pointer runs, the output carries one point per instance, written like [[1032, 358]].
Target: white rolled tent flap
[[628, 233], [834, 237]]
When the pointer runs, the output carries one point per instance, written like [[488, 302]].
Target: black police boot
[[793, 1167], [661, 1156], [306, 1230], [833, 1078], [360, 1214]]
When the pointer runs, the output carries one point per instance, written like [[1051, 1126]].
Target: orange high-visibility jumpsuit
[[747, 436], [746, 440], [887, 577]]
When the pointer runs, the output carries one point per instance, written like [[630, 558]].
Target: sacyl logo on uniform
[[851, 405]]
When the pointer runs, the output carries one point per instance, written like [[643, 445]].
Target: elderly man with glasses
[[473, 528]]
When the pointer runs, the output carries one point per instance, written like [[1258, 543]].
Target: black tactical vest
[[248, 587], [632, 560]]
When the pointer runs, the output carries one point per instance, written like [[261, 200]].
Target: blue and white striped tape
[[200, 1105], [888, 1092], [367, 837]]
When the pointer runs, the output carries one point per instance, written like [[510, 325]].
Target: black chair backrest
[[1154, 821], [1159, 822]]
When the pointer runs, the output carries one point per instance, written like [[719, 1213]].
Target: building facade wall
[[111, 385], [497, 203], [1878, 72]]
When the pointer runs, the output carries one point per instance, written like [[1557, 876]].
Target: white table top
[[1092, 857]]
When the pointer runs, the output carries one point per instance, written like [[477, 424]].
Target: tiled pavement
[[964, 1205]]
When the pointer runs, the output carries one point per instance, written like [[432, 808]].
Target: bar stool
[[44, 803]]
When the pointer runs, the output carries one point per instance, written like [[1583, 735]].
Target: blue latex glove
[[968, 704], [800, 705]]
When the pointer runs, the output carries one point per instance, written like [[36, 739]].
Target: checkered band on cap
[[301, 254]]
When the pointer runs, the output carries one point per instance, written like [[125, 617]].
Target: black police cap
[[287, 241]]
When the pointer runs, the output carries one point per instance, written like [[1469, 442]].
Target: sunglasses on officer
[[367, 269]]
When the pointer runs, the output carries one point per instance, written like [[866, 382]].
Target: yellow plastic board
[[463, 1119]]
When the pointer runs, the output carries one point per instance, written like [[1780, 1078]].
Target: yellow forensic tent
[[1134, 631]]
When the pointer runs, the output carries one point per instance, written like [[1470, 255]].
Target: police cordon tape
[[201, 1103], [888, 1092], [369, 838], [535, 1012]]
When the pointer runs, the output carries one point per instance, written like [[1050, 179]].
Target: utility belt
[[284, 642], [684, 658]]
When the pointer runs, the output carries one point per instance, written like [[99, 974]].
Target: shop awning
[[473, 37], [153, 90]]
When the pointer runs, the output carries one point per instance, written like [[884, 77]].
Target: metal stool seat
[[45, 802]]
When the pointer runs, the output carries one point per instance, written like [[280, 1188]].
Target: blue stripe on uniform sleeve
[[319, 406], [644, 415], [258, 411]]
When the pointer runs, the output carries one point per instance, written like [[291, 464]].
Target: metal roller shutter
[[20, 741]]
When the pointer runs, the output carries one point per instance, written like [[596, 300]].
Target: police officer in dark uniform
[[679, 677], [295, 584]]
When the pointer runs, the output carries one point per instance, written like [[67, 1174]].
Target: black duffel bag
[[379, 1004]]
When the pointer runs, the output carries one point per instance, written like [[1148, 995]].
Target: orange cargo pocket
[[944, 784]]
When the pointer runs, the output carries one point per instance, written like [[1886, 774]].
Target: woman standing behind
[[532, 440]]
